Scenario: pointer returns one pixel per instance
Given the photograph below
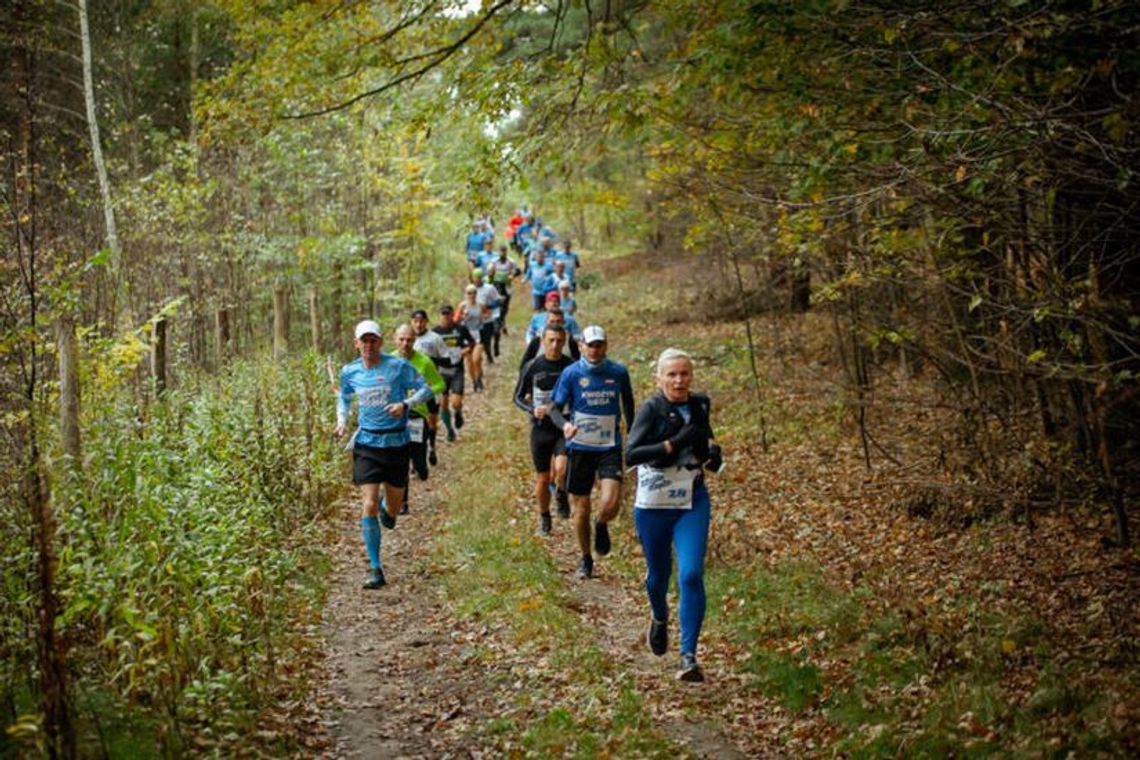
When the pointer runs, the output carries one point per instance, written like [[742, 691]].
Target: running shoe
[[657, 637], [459, 419], [450, 435], [433, 460], [601, 538], [690, 671], [585, 568], [563, 500], [386, 519], [404, 509], [544, 524], [375, 579]]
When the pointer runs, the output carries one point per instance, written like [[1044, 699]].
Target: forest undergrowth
[[876, 626], [191, 568]]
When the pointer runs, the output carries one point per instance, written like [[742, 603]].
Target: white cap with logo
[[593, 334], [368, 327]]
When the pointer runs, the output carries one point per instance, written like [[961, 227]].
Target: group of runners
[[577, 400]]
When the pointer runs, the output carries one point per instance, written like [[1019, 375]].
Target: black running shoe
[[657, 637], [544, 524], [433, 460], [458, 419], [690, 671], [563, 503], [585, 568], [601, 538], [404, 509], [387, 520], [376, 579]]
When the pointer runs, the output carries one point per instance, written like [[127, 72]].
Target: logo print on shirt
[[584, 382]]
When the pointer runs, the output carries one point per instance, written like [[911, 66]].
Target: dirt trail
[[402, 677]]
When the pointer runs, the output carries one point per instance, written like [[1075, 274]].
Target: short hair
[[551, 312], [419, 313], [404, 327], [668, 355], [553, 328]]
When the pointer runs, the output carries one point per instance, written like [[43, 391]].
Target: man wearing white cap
[[386, 387], [599, 394]]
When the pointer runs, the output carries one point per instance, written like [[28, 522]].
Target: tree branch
[[439, 56]]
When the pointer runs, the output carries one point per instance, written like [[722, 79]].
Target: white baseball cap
[[367, 327], [593, 334]]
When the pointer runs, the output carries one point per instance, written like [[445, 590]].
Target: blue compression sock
[[370, 531]]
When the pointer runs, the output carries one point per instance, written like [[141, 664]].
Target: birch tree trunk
[[96, 144]]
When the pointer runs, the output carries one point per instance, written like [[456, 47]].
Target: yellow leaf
[[1009, 646]]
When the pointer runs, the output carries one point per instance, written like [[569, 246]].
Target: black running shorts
[[546, 442], [373, 465], [453, 378], [586, 465]]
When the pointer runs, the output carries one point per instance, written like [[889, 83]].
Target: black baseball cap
[[419, 313]]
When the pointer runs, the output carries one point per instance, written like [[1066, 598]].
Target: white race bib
[[541, 397], [668, 488], [416, 429], [594, 429]]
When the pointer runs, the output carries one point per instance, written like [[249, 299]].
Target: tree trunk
[[96, 145], [280, 321], [315, 321], [158, 358], [51, 650], [222, 334], [69, 393]]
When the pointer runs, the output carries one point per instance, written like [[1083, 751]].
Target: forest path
[[404, 674]]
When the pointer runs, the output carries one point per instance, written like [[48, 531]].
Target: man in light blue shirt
[[385, 387]]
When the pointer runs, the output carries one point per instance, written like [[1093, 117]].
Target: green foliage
[[187, 553]]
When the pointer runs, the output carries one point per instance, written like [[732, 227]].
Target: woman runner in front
[[670, 442]]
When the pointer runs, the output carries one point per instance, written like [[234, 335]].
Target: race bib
[[668, 488], [416, 429], [541, 397], [594, 429]]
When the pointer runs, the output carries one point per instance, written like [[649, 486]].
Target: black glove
[[686, 436], [716, 459]]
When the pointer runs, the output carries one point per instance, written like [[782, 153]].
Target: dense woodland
[[199, 198]]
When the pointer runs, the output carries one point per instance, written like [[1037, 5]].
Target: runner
[[567, 255], [473, 246], [541, 278], [382, 384], [456, 342], [547, 444], [554, 318], [487, 296], [538, 321], [472, 315], [670, 442], [419, 419], [598, 393], [502, 273], [566, 298], [430, 345]]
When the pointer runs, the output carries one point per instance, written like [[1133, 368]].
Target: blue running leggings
[[687, 529]]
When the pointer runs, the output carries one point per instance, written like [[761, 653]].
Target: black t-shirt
[[537, 380], [454, 338]]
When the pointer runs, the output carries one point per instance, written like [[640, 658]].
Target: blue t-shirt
[[571, 262], [538, 324], [542, 280], [392, 380], [475, 242], [598, 396]]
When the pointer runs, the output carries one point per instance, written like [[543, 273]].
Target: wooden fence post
[[158, 357], [68, 391], [315, 320], [280, 321]]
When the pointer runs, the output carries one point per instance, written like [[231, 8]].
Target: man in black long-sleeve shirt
[[547, 443]]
